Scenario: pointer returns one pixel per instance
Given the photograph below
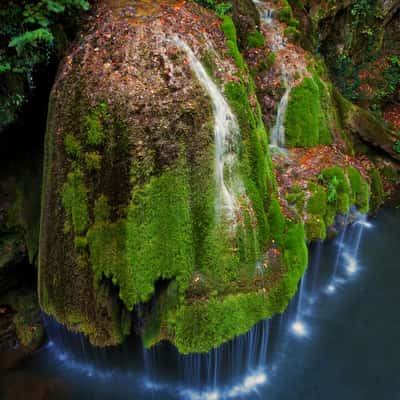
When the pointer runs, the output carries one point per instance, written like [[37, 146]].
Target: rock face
[[360, 42], [21, 330], [131, 215]]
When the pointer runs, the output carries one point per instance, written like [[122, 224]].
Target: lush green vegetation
[[159, 235], [30, 32], [305, 123], [334, 192], [75, 200], [377, 190], [255, 39], [360, 192], [221, 9]]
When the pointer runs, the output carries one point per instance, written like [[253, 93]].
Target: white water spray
[[226, 133]]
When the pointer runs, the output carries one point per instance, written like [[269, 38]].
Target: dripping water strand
[[226, 133]]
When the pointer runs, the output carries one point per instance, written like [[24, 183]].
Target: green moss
[[334, 195], [343, 203], [206, 325], [72, 146], [26, 318], [101, 209], [296, 198], [75, 200], [296, 255], [255, 39], [228, 27], [159, 234], [304, 121], [390, 173], [80, 242], [95, 134], [359, 190], [330, 214], [377, 191], [329, 173], [315, 228], [285, 13], [276, 222], [317, 203], [271, 59], [107, 245], [338, 188], [93, 161], [292, 33]]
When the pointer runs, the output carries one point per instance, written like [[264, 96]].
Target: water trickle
[[298, 327], [226, 135], [278, 131], [341, 248], [361, 224], [266, 14]]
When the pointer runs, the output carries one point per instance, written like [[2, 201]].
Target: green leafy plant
[[222, 9], [332, 189], [28, 33], [255, 39]]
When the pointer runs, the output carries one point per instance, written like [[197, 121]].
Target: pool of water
[[339, 339]]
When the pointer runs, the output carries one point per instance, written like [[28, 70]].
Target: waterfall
[[226, 134], [298, 327], [266, 14], [346, 262], [361, 223], [341, 245], [278, 131]]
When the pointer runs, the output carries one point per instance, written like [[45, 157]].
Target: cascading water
[[346, 262], [226, 134], [278, 131], [265, 13]]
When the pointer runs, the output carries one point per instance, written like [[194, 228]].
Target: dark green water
[[350, 349]]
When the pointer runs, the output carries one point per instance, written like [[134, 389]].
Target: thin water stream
[[226, 133], [347, 347]]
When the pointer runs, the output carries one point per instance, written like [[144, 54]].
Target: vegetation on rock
[[305, 122]]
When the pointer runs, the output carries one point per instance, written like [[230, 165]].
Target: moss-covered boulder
[[305, 119], [365, 127], [136, 223]]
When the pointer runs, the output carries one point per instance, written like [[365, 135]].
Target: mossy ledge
[[129, 211], [334, 191]]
